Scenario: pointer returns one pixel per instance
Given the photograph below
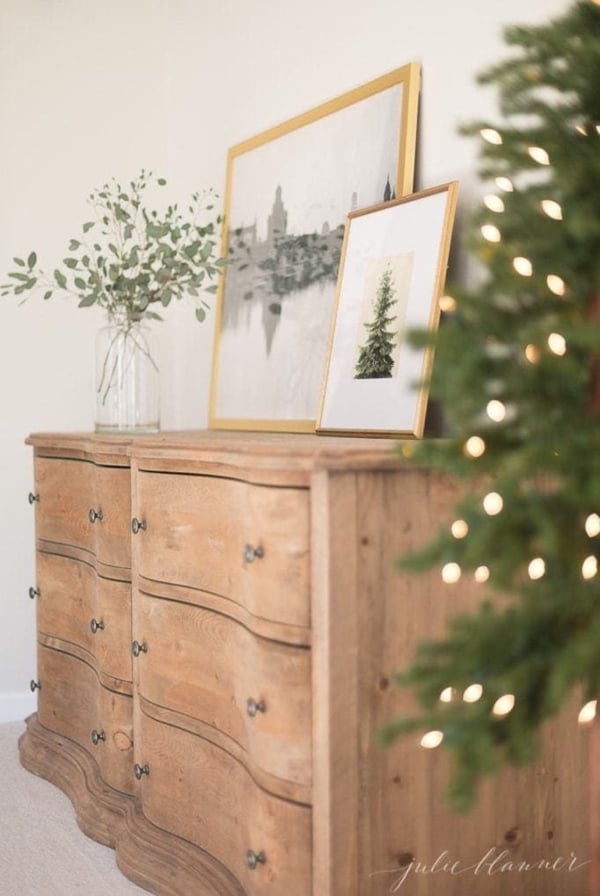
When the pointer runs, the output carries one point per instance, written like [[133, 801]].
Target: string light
[[587, 713], [432, 739], [491, 136], [447, 304], [504, 705], [496, 410], [556, 284], [523, 266], [459, 528], [451, 573], [491, 233], [589, 567], [557, 344], [494, 203], [592, 525], [474, 446], [581, 128], [536, 568], [473, 693], [481, 574], [552, 209], [447, 695], [505, 184], [532, 353], [493, 503], [539, 155]]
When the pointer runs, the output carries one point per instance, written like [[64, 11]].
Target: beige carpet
[[42, 851]]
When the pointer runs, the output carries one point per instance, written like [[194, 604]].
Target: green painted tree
[[375, 359], [518, 374]]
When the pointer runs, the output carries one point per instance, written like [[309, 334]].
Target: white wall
[[91, 90]]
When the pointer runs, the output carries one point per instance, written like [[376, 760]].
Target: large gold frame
[[290, 146]]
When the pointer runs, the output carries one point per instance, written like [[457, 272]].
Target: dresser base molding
[[154, 859]]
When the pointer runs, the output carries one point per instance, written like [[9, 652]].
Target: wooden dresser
[[219, 621]]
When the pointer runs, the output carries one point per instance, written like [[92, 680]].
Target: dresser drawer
[[201, 532], [253, 690], [73, 703], [84, 506], [77, 605], [201, 793]]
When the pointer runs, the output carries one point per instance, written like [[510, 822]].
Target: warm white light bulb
[[481, 574], [474, 446], [473, 693], [496, 410], [587, 713], [592, 525], [459, 528], [493, 503], [536, 568], [556, 284], [447, 695], [504, 705], [522, 266], [539, 155], [432, 739], [491, 136], [532, 353], [451, 573], [581, 128], [491, 233], [447, 304], [494, 203], [504, 183], [552, 209], [589, 567], [557, 344]]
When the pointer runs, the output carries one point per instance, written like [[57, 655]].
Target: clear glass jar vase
[[127, 377]]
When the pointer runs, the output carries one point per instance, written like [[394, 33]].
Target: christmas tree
[[375, 356], [517, 370]]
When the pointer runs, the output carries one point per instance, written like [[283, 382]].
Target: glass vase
[[127, 377]]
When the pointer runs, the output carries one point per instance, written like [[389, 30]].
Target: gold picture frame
[[288, 192], [391, 279]]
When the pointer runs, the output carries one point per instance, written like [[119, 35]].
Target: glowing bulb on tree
[[587, 713], [481, 574], [491, 233], [447, 695], [552, 209], [504, 705], [556, 284], [496, 410], [474, 446], [459, 528], [494, 203], [589, 567], [536, 568], [447, 304], [557, 344], [505, 184], [432, 739], [490, 135], [532, 353], [523, 266], [493, 503], [592, 525], [451, 573], [539, 155], [473, 693]]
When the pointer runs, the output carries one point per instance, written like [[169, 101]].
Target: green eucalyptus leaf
[[211, 289], [80, 283], [74, 245], [60, 279], [70, 263], [48, 294], [31, 261], [87, 301], [200, 314], [19, 261], [88, 226], [18, 276]]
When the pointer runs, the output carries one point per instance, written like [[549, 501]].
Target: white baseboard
[[16, 707]]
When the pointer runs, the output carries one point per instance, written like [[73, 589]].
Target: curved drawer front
[[201, 793], [85, 506], [65, 489], [198, 528], [77, 605], [74, 704], [209, 667]]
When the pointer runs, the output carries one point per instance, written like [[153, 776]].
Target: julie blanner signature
[[493, 862]]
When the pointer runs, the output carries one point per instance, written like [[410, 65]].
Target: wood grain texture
[[203, 795], [71, 596], [206, 666], [73, 703], [198, 527], [156, 860]]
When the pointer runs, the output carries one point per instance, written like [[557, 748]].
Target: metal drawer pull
[[96, 626], [255, 858], [137, 648], [97, 736], [140, 770], [35, 685], [32, 498], [252, 707], [251, 553], [94, 515], [138, 525], [34, 592]]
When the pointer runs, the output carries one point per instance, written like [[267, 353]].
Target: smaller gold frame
[[392, 275]]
